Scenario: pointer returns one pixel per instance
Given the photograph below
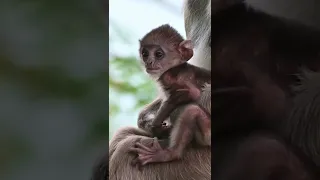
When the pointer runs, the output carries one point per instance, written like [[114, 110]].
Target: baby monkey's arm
[[187, 93]]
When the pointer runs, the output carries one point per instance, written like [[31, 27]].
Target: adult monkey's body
[[197, 164]]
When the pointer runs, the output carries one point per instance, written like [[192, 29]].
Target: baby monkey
[[164, 54]]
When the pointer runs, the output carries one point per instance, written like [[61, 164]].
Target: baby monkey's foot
[[152, 154]]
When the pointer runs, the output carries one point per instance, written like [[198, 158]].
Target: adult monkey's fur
[[265, 148]]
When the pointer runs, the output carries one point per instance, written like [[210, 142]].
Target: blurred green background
[[54, 81], [130, 87]]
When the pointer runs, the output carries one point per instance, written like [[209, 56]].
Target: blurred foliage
[[17, 150], [53, 64], [130, 79], [126, 78]]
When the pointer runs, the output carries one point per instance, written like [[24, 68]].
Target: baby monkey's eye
[[144, 53], [159, 54]]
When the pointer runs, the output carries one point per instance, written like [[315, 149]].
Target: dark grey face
[[157, 59], [153, 51], [152, 55]]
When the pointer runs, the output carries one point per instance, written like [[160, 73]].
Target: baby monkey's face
[[157, 59], [163, 48]]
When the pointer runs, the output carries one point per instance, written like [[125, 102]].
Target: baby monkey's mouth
[[152, 69]]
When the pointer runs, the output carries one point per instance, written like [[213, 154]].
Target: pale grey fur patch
[[150, 117], [198, 30], [205, 99]]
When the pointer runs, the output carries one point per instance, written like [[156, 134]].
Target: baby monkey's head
[[162, 49]]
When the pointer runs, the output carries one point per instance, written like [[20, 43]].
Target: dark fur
[[199, 77], [258, 156], [261, 159], [164, 34]]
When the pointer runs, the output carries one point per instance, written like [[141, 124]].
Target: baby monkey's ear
[[185, 49]]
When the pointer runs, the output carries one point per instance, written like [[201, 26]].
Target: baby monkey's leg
[[191, 119]]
